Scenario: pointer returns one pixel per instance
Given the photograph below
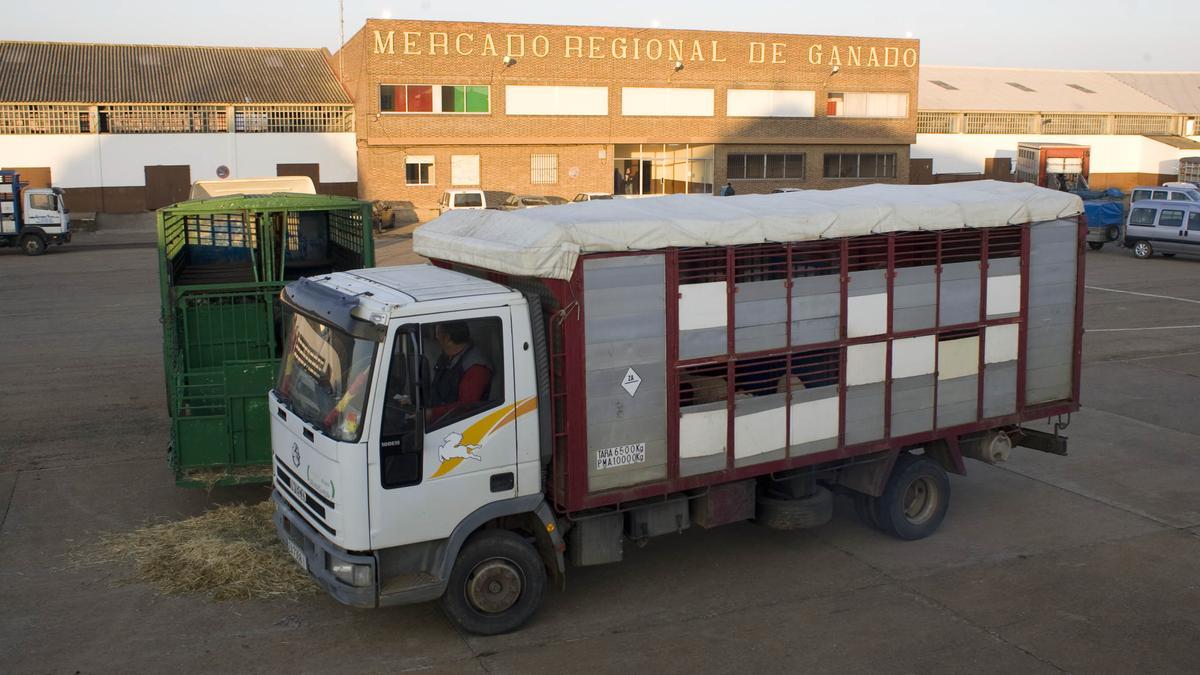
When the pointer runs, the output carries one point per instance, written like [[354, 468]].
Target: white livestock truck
[[564, 380]]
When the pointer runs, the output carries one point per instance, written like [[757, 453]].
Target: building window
[[293, 118], [866, 104], [160, 119], [18, 118], [543, 169], [860, 165], [764, 166], [464, 169], [418, 170], [433, 98]]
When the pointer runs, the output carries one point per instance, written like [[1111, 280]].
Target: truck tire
[[864, 506], [1095, 245], [1143, 250], [795, 514], [496, 584], [915, 500], [1113, 233], [33, 244]]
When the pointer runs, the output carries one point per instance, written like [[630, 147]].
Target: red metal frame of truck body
[[568, 473]]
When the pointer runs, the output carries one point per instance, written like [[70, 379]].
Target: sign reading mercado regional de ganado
[[521, 45]]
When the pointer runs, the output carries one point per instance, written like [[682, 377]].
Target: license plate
[[298, 554]]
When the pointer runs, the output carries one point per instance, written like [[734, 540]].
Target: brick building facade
[[538, 109]]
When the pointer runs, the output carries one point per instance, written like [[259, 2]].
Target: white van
[[462, 199], [1163, 226], [1176, 192]]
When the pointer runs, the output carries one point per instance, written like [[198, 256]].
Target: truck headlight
[[350, 573]]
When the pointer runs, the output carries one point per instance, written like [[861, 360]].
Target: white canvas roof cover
[[547, 241], [207, 189]]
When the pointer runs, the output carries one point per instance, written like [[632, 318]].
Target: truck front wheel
[[496, 584], [33, 244], [915, 500]]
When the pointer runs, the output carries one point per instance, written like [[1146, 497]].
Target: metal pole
[[341, 36]]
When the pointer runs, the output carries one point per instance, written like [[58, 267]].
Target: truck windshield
[[325, 376]]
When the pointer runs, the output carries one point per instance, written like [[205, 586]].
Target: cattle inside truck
[[644, 366]]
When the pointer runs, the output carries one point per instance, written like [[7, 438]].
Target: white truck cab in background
[[31, 218]]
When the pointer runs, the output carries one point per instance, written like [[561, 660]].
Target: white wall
[[965, 153], [119, 160]]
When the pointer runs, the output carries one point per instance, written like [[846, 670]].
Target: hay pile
[[232, 475], [229, 553]]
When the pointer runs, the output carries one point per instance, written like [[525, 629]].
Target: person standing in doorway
[[728, 190]]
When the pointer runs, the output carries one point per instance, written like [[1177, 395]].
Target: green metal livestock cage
[[222, 263]]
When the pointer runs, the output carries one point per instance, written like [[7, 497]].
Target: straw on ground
[[228, 553]]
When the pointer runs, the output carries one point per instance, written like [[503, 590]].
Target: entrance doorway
[[662, 169]]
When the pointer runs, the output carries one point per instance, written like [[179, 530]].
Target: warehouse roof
[[1032, 90], [547, 241], [1179, 91], [61, 72]]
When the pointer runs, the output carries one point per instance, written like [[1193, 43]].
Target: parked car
[[782, 190], [1171, 191], [591, 196], [462, 199], [517, 202], [1163, 226]]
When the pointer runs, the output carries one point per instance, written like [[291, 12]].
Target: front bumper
[[292, 527]]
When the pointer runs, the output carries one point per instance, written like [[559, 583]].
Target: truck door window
[[466, 360], [401, 444], [1170, 219], [42, 202]]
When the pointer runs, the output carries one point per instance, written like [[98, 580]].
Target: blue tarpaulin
[[1104, 213]]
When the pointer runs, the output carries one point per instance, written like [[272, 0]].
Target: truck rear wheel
[[780, 513], [915, 500], [33, 244], [1095, 245], [496, 584]]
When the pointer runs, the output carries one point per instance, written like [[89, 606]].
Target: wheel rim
[[1142, 249], [31, 246], [920, 500], [494, 586]]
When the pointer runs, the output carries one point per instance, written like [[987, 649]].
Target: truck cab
[[384, 461], [32, 218]]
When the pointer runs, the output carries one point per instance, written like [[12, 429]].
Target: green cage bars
[[222, 263]]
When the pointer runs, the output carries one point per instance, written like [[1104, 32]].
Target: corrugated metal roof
[[92, 73], [1031, 90], [1179, 91]]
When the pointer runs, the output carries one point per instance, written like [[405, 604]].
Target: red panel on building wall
[[420, 98]]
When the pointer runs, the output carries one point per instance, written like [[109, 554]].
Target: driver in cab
[[462, 375]]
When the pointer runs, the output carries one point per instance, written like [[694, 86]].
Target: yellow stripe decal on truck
[[475, 436]]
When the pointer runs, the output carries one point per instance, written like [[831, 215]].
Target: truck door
[[463, 453], [41, 208]]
